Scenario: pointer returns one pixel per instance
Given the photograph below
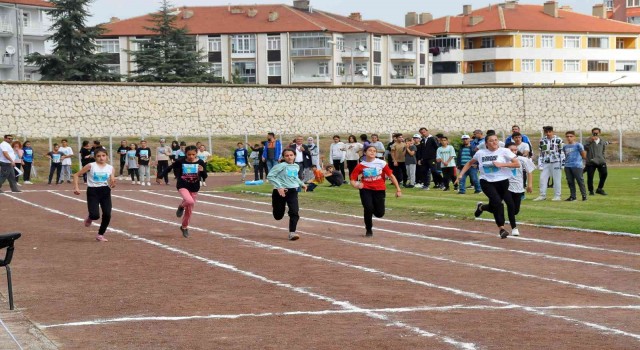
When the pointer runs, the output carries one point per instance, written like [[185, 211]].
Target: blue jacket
[[278, 153]]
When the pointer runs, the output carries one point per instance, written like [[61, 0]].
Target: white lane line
[[447, 240], [611, 233], [377, 272], [407, 252], [339, 303], [11, 335]]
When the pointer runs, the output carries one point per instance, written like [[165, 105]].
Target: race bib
[[131, 154], [55, 158], [100, 177], [144, 153], [189, 169], [241, 162], [292, 172], [371, 172], [123, 151], [29, 152]]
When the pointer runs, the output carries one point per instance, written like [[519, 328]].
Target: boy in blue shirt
[[241, 157], [574, 154]]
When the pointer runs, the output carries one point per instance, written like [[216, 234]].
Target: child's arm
[[112, 179], [76, 189]]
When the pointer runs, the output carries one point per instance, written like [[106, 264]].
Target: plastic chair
[[6, 241]]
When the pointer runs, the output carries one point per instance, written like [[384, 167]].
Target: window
[[28, 77], [361, 67], [113, 68], [423, 45], [27, 49], [360, 42], [244, 43], [547, 65], [403, 71], [340, 44], [488, 66], [598, 66], [470, 68], [469, 44], [608, 4], [422, 71], [487, 42], [311, 44], [572, 66], [377, 69], [571, 42], [215, 44], [377, 44], [398, 46], [547, 42], [626, 66], [323, 69], [528, 65], [447, 67], [598, 43], [139, 43], [108, 45], [619, 43], [26, 19], [245, 71], [273, 43], [633, 3], [216, 69], [528, 41], [340, 68], [275, 70], [445, 43]]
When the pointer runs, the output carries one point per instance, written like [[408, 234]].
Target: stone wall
[[68, 109]]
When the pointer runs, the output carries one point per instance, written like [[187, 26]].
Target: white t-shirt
[[524, 147], [490, 172], [336, 151], [516, 181], [99, 176], [6, 147], [67, 152], [352, 150]]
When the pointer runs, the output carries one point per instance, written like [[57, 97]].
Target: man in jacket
[[595, 160], [303, 155], [429, 147], [272, 151]]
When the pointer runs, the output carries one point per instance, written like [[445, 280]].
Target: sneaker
[[600, 191], [28, 183], [515, 232], [180, 211], [18, 184], [540, 198], [142, 183], [293, 236], [369, 233], [100, 238], [591, 193], [445, 188], [462, 193], [584, 198], [418, 186], [201, 183], [204, 184], [409, 186], [87, 222], [133, 182], [503, 233], [148, 183], [426, 188], [556, 199], [570, 199], [68, 181], [479, 210], [16, 191], [476, 192], [185, 232]]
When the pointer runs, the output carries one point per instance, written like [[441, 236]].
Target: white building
[[24, 28], [284, 45]]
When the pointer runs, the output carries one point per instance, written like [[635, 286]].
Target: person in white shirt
[[517, 185], [7, 163], [375, 142], [550, 161], [352, 155], [66, 161], [337, 154]]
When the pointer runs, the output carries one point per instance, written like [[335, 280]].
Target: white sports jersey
[[488, 171], [516, 181], [99, 176]]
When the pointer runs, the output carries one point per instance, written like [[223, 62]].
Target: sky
[[386, 10]]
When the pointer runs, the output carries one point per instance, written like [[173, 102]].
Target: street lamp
[[351, 69], [20, 40]]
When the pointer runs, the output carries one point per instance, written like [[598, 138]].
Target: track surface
[[238, 283]]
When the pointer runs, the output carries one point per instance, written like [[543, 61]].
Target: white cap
[[464, 137], [417, 136]]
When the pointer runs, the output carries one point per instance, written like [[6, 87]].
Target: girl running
[[372, 187], [516, 184], [284, 179], [494, 163], [100, 181], [188, 184]]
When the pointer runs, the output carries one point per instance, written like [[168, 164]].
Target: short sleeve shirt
[[373, 174], [573, 156], [488, 171], [6, 147]]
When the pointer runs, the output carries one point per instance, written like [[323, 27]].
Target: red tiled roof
[[219, 20], [39, 3], [526, 18]]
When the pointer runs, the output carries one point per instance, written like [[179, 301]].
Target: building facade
[[516, 44], [623, 10], [24, 28], [287, 45]]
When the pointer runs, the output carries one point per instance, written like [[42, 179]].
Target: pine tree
[[74, 57], [169, 55]]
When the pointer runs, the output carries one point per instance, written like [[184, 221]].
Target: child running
[[372, 187], [100, 181], [188, 184], [516, 185], [284, 179]]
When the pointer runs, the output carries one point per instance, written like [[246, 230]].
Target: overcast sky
[[386, 10]]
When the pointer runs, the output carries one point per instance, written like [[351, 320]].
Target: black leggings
[[99, 197], [339, 166], [133, 172], [279, 204], [516, 199], [27, 171], [497, 192], [351, 165], [373, 203], [400, 172], [162, 166], [123, 161], [55, 167]]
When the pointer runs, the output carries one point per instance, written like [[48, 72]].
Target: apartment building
[[287, 45], [518, 44], [24, 28], [623, 10]]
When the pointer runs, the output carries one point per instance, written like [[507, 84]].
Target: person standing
[[428, 162], [397, 152], [122, 153], [86, 157], [241, 158], [446, 157], [314, 151], [303, 157], [574, 154], [465, 153], [375, 141], [163, 154], [19, 154], [272, 150], [595, 147], [56, 163], [144, 163], [550, 162], [7, 164], [286, 182], [410, 162], [66, 161], [27, 159], [337, 154], [352, 155]]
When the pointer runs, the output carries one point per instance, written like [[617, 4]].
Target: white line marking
[[406, 252], [339, 303], [11, 335], [377, 272]]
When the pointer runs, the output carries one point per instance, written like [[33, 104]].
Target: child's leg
[[93, 203], [27, 172], [58, 170], [136, 173], [104, 194], [580, 179], [279, 205], [131, 174], [292, 201], [378, 198], [366, 198], [570, 181], [188, 201], [66, 172], [52, 169]]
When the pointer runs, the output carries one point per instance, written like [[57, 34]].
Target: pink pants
[[188, 201]]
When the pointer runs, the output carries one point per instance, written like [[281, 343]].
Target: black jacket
[[429, 148]]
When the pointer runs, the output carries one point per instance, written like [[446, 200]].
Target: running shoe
[[28, 183], [600, 191], [293, 236], [503, 233], [133, 182], [87, 222], [540, 198], [479, 210], [180, 211], [142, 183], [570, 199], [369, 233], [204, 184], [584, 198], [148, 183], [556, 199], [515, 232], [185, 232], [100, 238]]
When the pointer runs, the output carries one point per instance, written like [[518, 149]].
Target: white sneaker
[[17, 183], [515, 232], [133, 182], [556, 199], [142, 183], [418, 186], [540, 198], [148, 183], [204, 184], [28, 183]]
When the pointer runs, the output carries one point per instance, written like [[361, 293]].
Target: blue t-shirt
[[573, 157], [28, 154]]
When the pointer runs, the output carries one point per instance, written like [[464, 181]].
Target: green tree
[[74, 57], [169, 55]]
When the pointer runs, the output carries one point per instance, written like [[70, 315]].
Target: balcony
[[405, 56], [7, 62], [37, 29], [6, 29], [403, 80], [310, 79], [311, 52], [356, 54]]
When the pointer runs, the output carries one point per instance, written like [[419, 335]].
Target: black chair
[[6, 241]]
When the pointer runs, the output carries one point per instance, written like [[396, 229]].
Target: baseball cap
[[417, 136], [309, 138], [464, 137]]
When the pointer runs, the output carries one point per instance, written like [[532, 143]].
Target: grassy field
[[619, 211]]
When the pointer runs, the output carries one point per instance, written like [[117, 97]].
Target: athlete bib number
[[291, 172], [100, 177], [371, 173], [56, 158], [189, 169]]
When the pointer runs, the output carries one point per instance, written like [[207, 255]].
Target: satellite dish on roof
[[364, 73], [361, 48], [404, 48], [10, 50], [394, 73]]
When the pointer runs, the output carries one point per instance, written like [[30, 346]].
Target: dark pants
[[431, 169], [373, 203], [123, 161], [400, 172], [420, 174], [351, 165], [301, 170], [573, 175], [8, 173], [135, 175], [516, 200], [339, 167], [602, 173], [162, 166], [448, 175], [99, 197], [259, 170], [57, 167], [18, 166], [279, 204], [334, 181], [27, 171], [497, 192]]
